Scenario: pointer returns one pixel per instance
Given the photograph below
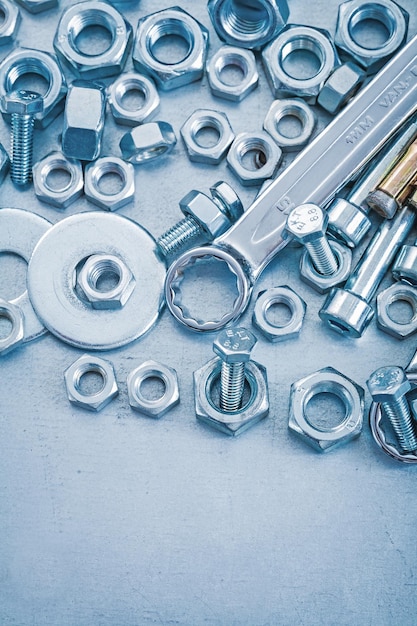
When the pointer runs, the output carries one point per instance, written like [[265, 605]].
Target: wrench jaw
[[175, 275]]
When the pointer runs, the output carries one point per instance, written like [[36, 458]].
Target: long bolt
[[388, 385], [233, 346], [22, 106]]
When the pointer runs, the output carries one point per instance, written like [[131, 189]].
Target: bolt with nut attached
[[234, 347]]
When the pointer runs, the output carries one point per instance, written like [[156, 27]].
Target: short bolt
[[388, 385], [234, 347], [22, 106], [307, 224]]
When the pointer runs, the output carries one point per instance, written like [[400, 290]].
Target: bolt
[[22, 106], [307, 223], [204, 216], [233, 346], [388, 385]]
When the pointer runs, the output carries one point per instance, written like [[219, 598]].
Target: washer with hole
[[279, 295], [153, 407], [229, 57], [129, 83], [399, 292], [285, 108], [96, 171], [207, 119], [62, 196], [88, 364], [52, 286]]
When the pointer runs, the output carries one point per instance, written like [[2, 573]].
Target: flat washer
[[51, 280], [20, 231]]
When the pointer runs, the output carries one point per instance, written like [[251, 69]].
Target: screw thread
[[322, 256], [21, 148], [178, 236], [399, 415], [232, 382]]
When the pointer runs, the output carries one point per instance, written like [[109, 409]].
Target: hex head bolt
[[204, 217], [307, 224], [22, 106], [234, 347], [388, 385], [348, 311]]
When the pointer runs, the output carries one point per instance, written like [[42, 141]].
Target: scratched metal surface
[[117, 519]]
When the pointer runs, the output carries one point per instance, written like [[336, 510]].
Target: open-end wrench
[[320, 170]]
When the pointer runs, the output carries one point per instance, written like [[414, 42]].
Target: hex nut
[[10, 22], [341, 85], [208, 215], [247, 26], [83, 120], [171, 21], [235, 422], [26, 61], [37, 6], [82, 15], [207, 119], [293, 38], [14, 314], [290, 107], [324, 283], [391, 15], [155, 408], [94, 173], [90, 364], [327, 380], [261, 143], [230, 56], [395, 293], [279, 295], [59, 197], [147, 142], [128, 83], [97, 266], [227, 200]]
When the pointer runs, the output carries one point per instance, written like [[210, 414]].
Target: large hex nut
[[149, 406], [80, 16], [147, 142], [246, 24], [25, 61], [341, 85], [323, 283], [171, 74], [295, 108], [279, 295], [14, 315], [10, 22], [98, 266], [58, 196], [207, 119], [87, 364], [37, 6], [275, 58], [259, 143], [397, 293], [129, 83], [233, 422], [330, 381], [84, 120], [96, 171], [232, 57], [388, 13]]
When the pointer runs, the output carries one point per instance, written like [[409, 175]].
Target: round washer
[[52, 285], [20, 231]]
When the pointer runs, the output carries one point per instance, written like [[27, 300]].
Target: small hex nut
[[155, 408], [14, 314], [94, 172], [82, 15], [147, 142], [388, 384], [290, 107], [207, 119], [98, 265], [324, 283], [397, 293], [10, 22], [227, 199], [393, 17], [211, 219], [341, 85], [235, 422], [84, 120], [128, 83], [37, 6], [327, 380], [171, 21], [90, 364], [59, 197], [266, 299], [232, 57], [260, 143]]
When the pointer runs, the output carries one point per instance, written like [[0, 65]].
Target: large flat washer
[[51, 280], [20, 231]]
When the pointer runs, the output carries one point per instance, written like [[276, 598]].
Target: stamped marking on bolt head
[[305, 219], [386, 377], [234, 344]]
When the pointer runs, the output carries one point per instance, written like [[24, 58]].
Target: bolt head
[[22, 102], [307, 222], [234, 345], [388, 384]]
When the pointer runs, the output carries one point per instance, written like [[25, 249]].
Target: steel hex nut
[[265, 146], [230, 56], [209, 119], [97, 266], [90, 364], [110, 201], [153, 407], [399, 292], [341, 85], [84, 120], [147, 142], [10, 22], [59, 197]]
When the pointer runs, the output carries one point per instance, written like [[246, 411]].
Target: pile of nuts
[[99, 248]]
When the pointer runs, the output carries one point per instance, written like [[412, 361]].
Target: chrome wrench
[[320, 170]]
